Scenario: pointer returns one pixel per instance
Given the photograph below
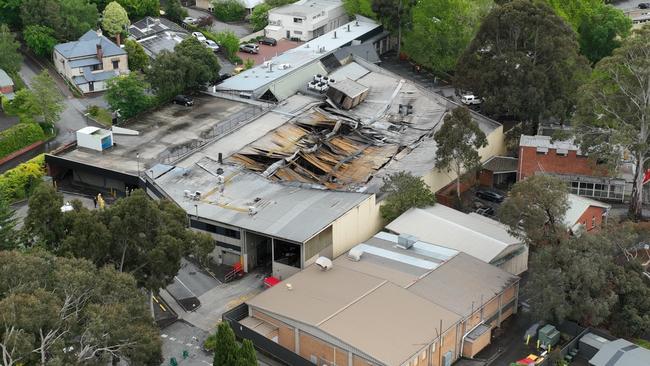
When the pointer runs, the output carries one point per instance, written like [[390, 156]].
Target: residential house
[[306, 19], [391, 301], [89, 62], [564, 160], [6, 85], [474, 234]]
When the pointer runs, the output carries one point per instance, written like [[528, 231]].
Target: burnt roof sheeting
[[349, 87]]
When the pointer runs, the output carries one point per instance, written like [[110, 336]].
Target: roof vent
[[289, 286], [252, 210], [355, 254], [324, 263], [406, 241], [334, 35]]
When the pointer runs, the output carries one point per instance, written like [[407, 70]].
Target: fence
[[236, 121], [262, 343]]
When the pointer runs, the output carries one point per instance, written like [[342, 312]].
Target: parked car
[[214, 46], [268, 41], [190, 21], [250, 48], [470, 99], [221, 78], [199, 36], [490, 196], [644, 5], [184, 100]]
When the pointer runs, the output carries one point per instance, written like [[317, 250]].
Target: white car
[[190, 20], [199, 36], [211, 45], [470, 99]]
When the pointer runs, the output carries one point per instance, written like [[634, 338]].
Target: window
[[562, 152], [116, 64], [98, 67], [593, 222], [297, 20], [286, 253], [542, 150], [220, 230]]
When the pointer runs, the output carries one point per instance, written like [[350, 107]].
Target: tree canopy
[[458, 141], [50, 100], [441, 30], [189, 67], [361, 7], [588, 280], [138, 59], [115, 20], [535, 208], [404, 191], [10, 59], [127, 94], [138, 9], [613, 112], [174, 11], [395, 15], [64, 311], [8, 233], [260, 16], [226, 350], [68, 18], [524, 63], [40, 39]]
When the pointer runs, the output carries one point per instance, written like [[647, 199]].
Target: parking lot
[[268, 52]]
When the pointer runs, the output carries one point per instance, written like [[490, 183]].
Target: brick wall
[[587, 218], [530, 162], [6, 89]]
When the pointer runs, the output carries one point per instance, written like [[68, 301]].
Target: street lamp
[[137, 158]]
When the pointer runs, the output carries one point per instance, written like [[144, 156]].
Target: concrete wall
[[356, 226]]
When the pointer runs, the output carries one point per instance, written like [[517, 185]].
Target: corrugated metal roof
[[501, 164], [253, 79], [621, 353], [5, 80], [283, 211], [480, 237], [352, 71], [349, 87], [546, 142]]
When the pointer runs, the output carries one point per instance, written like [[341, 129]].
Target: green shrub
[[229, 10], [40, 39], [16, 137], [17, 183], [229, 42]]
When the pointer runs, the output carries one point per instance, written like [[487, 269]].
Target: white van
[[470, 99]]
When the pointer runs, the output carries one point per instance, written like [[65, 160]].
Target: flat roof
[[386, 304], [285, 211], [259, 76], [473, 234], [547, 142], [168, 128], [304, 8]]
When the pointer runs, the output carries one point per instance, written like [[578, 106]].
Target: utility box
[[94, 138], [548, 335]]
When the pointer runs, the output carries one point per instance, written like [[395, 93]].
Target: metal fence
[[262, 343], [236, 121]]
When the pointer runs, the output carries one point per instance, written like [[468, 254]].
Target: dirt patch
[[178, 127], [180, 112], [202, 116]]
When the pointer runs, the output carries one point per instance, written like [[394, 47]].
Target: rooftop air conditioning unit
[[252, 210], [406, 241], [197, 195], [324, 263], [266, 64], [187, 194], [355, 254]]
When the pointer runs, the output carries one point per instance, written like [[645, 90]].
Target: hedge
[[17, 183], [19, 136]]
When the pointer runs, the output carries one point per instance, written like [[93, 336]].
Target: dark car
[[644, 6], [221, 78], [184, 100], [268, 41], [250, 48], [490, 196]]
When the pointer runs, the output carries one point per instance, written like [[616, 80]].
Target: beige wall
[[123, 67], [356, 226], [287, 86]]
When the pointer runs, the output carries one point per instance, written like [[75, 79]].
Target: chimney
[[348, 27], [220, 158], [334, 34], [100, 52]]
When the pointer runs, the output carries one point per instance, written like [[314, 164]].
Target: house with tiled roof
[[91, 61]]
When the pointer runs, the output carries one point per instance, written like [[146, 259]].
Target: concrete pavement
[[240, 29]]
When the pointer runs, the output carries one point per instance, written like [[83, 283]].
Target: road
[[627, 5]]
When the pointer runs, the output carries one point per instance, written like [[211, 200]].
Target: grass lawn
[[101, 115], [643, 343]]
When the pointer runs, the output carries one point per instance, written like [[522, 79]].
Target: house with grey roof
[[6, 85], [89, 62]]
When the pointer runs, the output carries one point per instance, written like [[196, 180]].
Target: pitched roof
[[501, 164], [547, 142], [621, 353], [578, 205], [5, 80], [473, 234], [86, 46]]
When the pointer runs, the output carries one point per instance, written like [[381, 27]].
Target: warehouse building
[[391, 301], [474, 234]]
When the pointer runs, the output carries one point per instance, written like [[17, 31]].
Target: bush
[[229, 10], [260, 16], [16, 137], [17, 183]]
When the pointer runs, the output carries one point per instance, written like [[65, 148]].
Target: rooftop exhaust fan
[[355, 254]]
